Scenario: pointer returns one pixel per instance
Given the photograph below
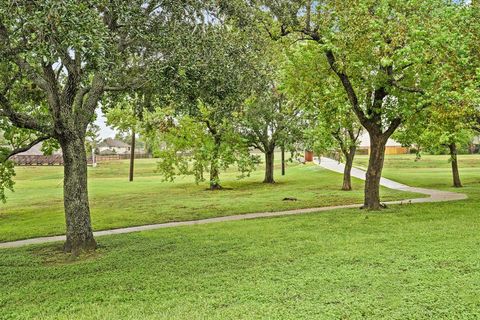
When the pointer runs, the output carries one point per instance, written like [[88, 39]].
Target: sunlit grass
[[407, 262]]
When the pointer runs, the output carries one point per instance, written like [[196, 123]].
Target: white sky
[[105, 131]]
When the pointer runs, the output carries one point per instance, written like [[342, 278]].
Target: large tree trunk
[[457, 183], [214, 166], [75, 189], [374, 172], [347, 176], [269, 165]]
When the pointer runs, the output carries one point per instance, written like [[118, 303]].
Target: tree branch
[[352, 96], [135, 85], [27, 147], [21, 120], [84, 111], [10, 84], [408, 89], [393, 126]]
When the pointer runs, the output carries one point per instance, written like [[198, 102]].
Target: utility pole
[[132, 154], [94, 159]]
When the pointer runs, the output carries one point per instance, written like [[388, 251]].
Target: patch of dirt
[[55, 256], [221, 189]]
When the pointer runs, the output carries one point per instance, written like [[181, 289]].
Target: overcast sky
[[105, 131]]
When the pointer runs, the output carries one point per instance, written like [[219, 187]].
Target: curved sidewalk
[[330, 164], [435, 195]]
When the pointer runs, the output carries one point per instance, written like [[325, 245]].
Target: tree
[[46, 52], [455, 106], [453, 94], [124, 114], [332, 125], [381, 54], [269, 120], [58, 58], [191, 149], [336, 129], [211, 86], [444, 126]]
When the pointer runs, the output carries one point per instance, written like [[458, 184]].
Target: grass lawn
[[36, 207], [418, 261], [430, 171]]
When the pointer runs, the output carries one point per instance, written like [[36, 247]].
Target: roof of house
[[364, 140], [113, 143], [36, 150]]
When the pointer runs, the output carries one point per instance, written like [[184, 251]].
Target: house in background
[[392, 147], [476, 140], [113, 146], [475, 145], [35, 157], [36, 150]]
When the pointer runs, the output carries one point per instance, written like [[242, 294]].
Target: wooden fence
[[57, 160], [121, 157], [37, 160]]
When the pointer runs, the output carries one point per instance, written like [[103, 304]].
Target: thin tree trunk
[[214, 166], [283, 160], [374, 172], [132, 155], [347, 176], [457, 183], [75, 189], [269, 166]]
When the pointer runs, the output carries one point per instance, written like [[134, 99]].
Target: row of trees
[[209, 79]]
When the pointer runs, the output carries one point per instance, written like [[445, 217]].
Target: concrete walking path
[[330, 164], [435, 195]]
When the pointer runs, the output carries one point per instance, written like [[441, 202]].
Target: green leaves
[[189, 148], [7, 173]]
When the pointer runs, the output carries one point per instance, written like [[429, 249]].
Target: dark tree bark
[[347, 176], [72, 110], [77, 211], [348, 147], [72, 91], [132, 156], [457, 183], [269, 165], [371, 115], [371, 119], [283, 160], [214, 165], [214, 178], [374, 172]]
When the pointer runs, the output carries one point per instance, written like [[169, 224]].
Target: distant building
[[474, 146], [113, 146], [392, 146], [35, 157], [36, 150]]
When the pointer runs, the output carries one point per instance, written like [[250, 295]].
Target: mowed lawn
[[430, 171], [417, 261], [36, 207]]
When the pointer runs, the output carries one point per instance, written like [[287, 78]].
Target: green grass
[[418, 261], [430, 171], [36, 207]]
